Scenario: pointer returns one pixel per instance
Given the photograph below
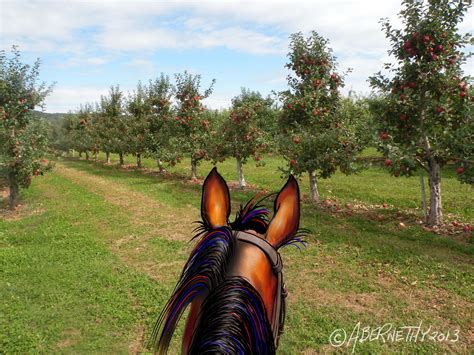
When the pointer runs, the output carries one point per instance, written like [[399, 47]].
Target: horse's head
[[233, 276]]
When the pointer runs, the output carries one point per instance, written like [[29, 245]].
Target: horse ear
[[286, 216], [215, 203]]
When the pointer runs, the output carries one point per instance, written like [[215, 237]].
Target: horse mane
[[204, 270], [233, 321], [204, 274]]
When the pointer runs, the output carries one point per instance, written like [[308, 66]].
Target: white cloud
[[64, 99], [218, 101], [143, 65], [84, 28]]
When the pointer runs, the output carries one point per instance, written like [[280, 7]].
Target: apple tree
[[22, 148], [137, 120], [161, 142], [192, 125], [243, 133], [427, 117], [314, 136], [109, 122]]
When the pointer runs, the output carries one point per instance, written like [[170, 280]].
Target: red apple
[[292, 162], [385, 205], [439, 109], [297, 140], [412, 84], [348, 205], [403, 117], [384, 136], [462, 94], [395, 173], [467, 228], [290, 106], [460, 170], [388, 162]]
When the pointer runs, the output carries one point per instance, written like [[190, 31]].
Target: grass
[[90, 271], [372, 186]]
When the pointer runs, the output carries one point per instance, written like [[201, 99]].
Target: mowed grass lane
[[370, 186], [93, 269]]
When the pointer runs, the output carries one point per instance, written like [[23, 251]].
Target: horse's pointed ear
[[286, 216], [215, 203]]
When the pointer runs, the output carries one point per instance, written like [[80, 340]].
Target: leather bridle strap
[[277, 266]]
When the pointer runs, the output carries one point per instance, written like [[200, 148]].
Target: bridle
[[279, 308]]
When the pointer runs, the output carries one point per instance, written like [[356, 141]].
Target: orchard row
[[420, 116]]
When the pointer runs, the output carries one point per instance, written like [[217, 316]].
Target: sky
[[87, 46]]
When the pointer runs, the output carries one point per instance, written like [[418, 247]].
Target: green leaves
[[23, 137], [426, 98], [316, 134], [246, 129]]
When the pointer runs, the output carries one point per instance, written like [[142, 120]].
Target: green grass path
[[91, 270]]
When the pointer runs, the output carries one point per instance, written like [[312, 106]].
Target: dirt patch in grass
[[70, 337], [137, 345], [143, 210], [20, 211], [356, 302]]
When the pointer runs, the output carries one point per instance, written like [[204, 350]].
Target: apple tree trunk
[[14, 193], [121, 158], [423, 197], [107, 157], [435, 216], [96, 155], [240, 173], [139, 160], [87, 155], [193, 168], [161, 168], [313, 185]]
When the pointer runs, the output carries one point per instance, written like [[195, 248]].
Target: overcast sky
[[86, 46]]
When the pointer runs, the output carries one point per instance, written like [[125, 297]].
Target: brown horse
[[233, 277]]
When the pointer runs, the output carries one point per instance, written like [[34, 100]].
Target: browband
[[278, 315]]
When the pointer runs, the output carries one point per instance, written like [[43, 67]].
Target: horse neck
[[253, 265]]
